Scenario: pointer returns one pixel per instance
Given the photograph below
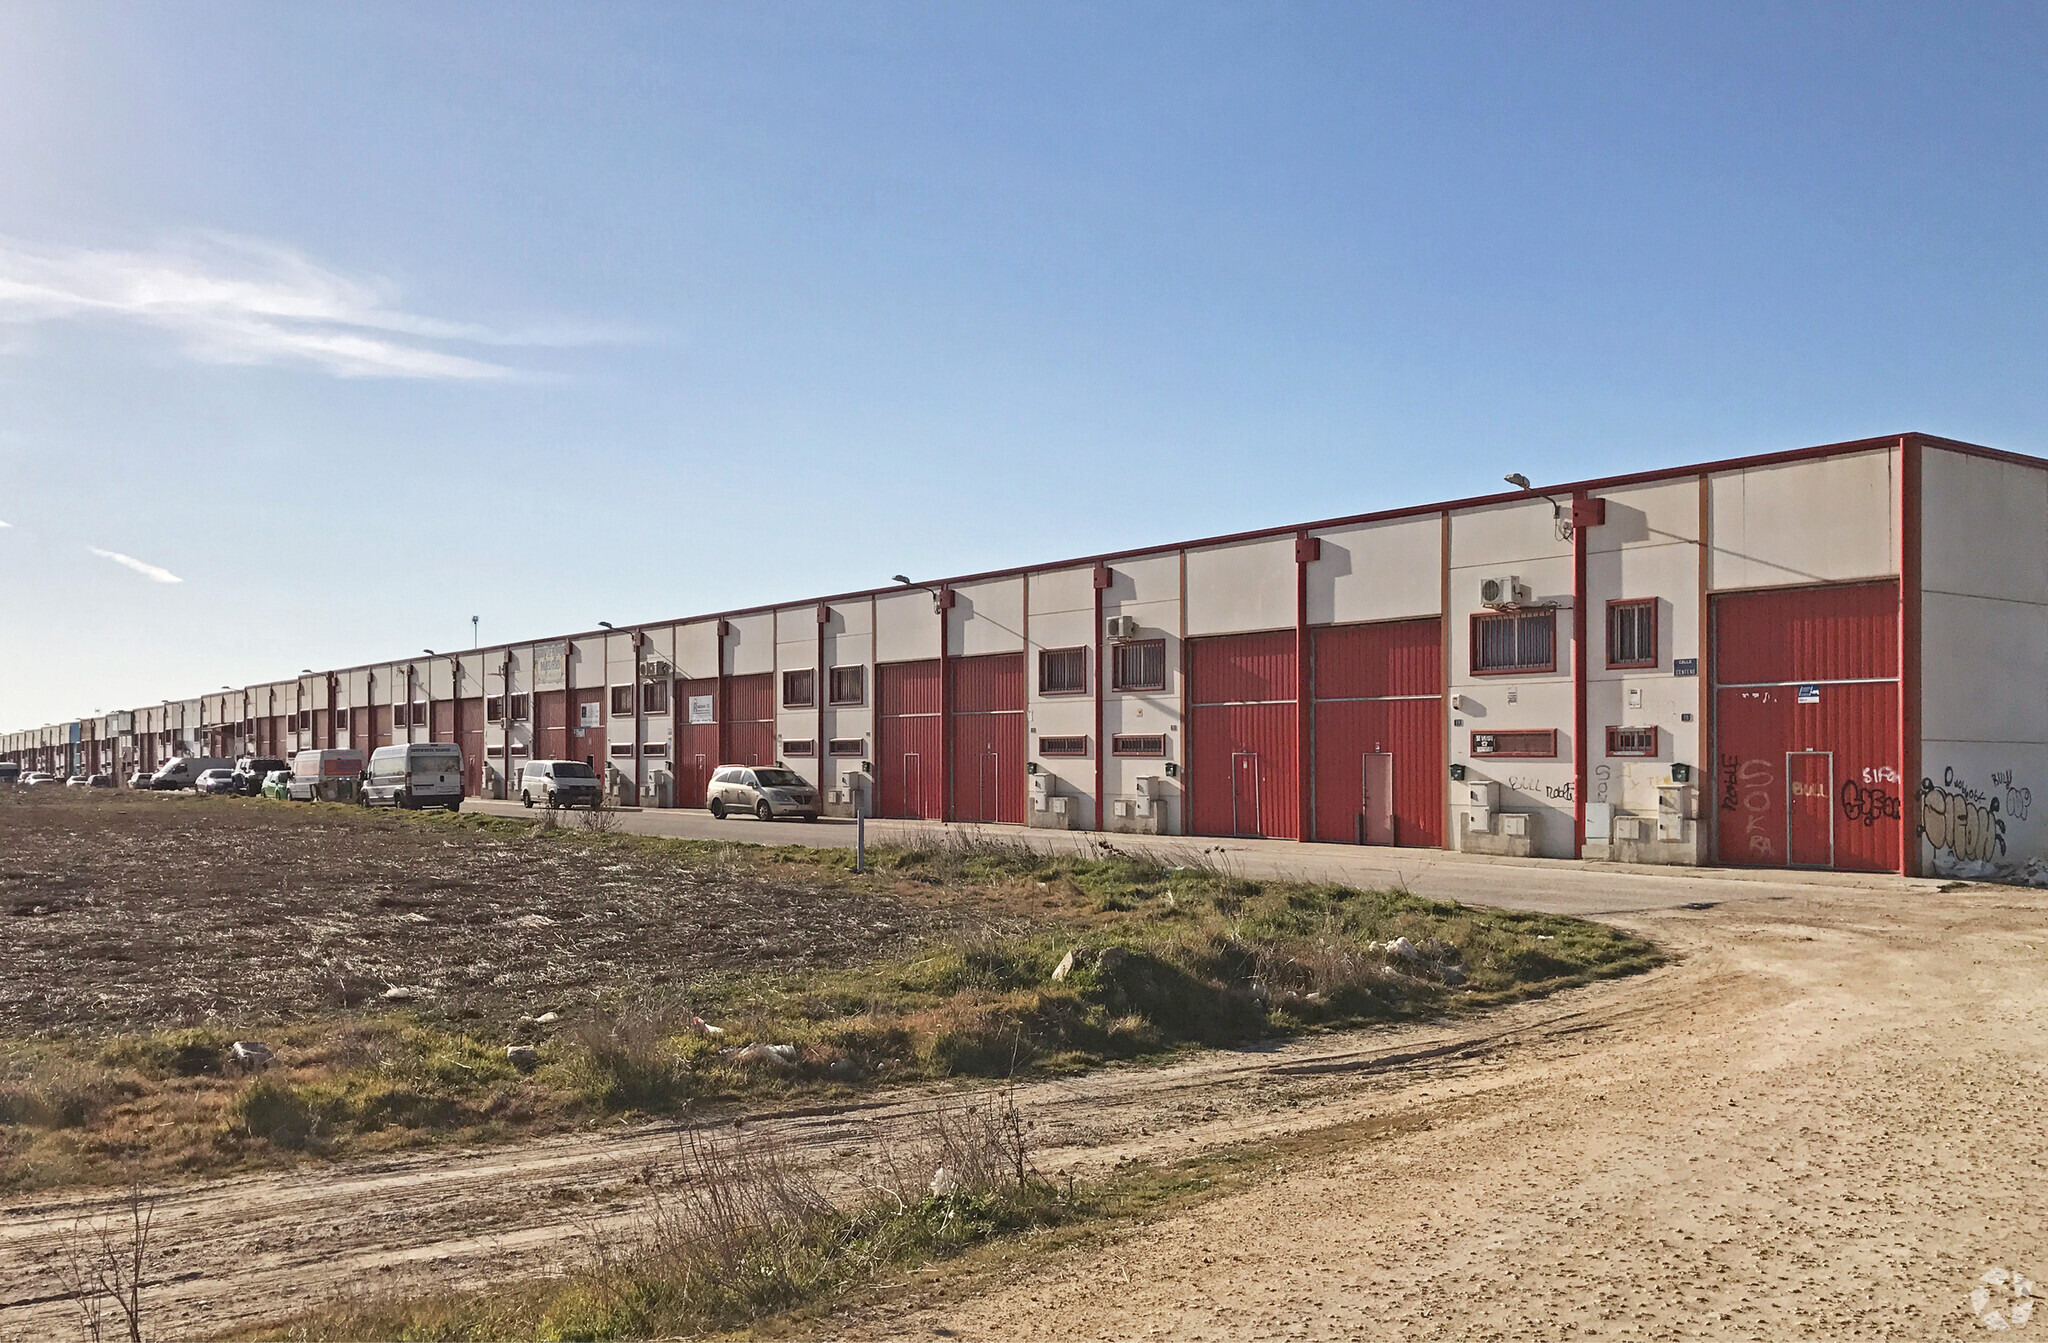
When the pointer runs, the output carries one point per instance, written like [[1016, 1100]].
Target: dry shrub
[[108, 1260], [632, 1062], [602, 817], [63, 1094]]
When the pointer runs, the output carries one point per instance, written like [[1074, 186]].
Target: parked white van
[[325, 776], [559, 783], [419, 774], [184, 771]]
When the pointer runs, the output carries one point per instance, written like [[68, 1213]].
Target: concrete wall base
[[1149, 820], [1678, 852], [1048, 819], [1500, 846]]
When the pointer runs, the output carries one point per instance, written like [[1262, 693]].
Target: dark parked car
[[99, 781], [251, 770]]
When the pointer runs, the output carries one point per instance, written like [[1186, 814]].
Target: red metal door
[[1801, 672], [909, 790], [1379, 689], [750, 719], [469, 726], [1244, 794], [988, 738], [909, 740], [696, 741], [550, 725], [1376, 787], [1241, 717], [586, 728], [1810, 809]]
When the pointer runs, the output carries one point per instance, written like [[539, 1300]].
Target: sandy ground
[[1828, 1123], [1824, 1121]]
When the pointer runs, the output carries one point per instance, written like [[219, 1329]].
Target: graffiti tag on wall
[[1868, 804], [2017, 800], [1746, 788], [1961, 820]]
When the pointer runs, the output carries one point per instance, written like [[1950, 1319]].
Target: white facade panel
[[906, 626], [1240, 588], [1058, 590], [987, 617], [1984, 527], [1380, 571], [697, 650], [1824, 520], [1515, 540], [796, 637], [750, 647], [1984, 669]]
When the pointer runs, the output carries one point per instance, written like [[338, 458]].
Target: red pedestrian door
[[1809, 809], [909, 802], [1376, 787], [1244, 793]]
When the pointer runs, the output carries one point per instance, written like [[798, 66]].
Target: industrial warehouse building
[[1833, 657]]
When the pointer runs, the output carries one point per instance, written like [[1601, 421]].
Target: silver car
[[763, 791]]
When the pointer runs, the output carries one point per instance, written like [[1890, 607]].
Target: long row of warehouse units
[[1834, 657]]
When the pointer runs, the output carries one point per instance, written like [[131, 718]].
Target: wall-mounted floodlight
[[1557, 513]]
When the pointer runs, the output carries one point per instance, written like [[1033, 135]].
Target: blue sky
[[362, 320]]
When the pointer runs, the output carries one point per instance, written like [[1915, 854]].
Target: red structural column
[[1909, 654], [821, 685], [943, 600], [1705, 768], [718, 693], [1103, 578], [1580, 518], [1307, 549]]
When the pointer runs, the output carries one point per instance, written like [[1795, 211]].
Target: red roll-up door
[[1378, 729], [1241, 752], [1806, 727], [988, 738], [910, 778], [750, 720], [469, 725], [696, 743], [380, 728]]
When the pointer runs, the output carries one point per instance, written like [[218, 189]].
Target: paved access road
[[1543, 885]]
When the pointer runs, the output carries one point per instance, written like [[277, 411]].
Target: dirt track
[[1828, 1123], [1824, 1121]]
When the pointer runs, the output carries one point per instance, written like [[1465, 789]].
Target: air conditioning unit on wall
[[1123, 627], [1501, 591]]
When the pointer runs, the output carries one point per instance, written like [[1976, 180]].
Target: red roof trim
[[1888, 441]]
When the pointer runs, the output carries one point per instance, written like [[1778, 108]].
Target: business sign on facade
[[1809, 694], [550, 666], [700, 709], [587, 714]]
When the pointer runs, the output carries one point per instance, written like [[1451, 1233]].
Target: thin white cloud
[[231, 300], [6, 526], [150, 571]]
